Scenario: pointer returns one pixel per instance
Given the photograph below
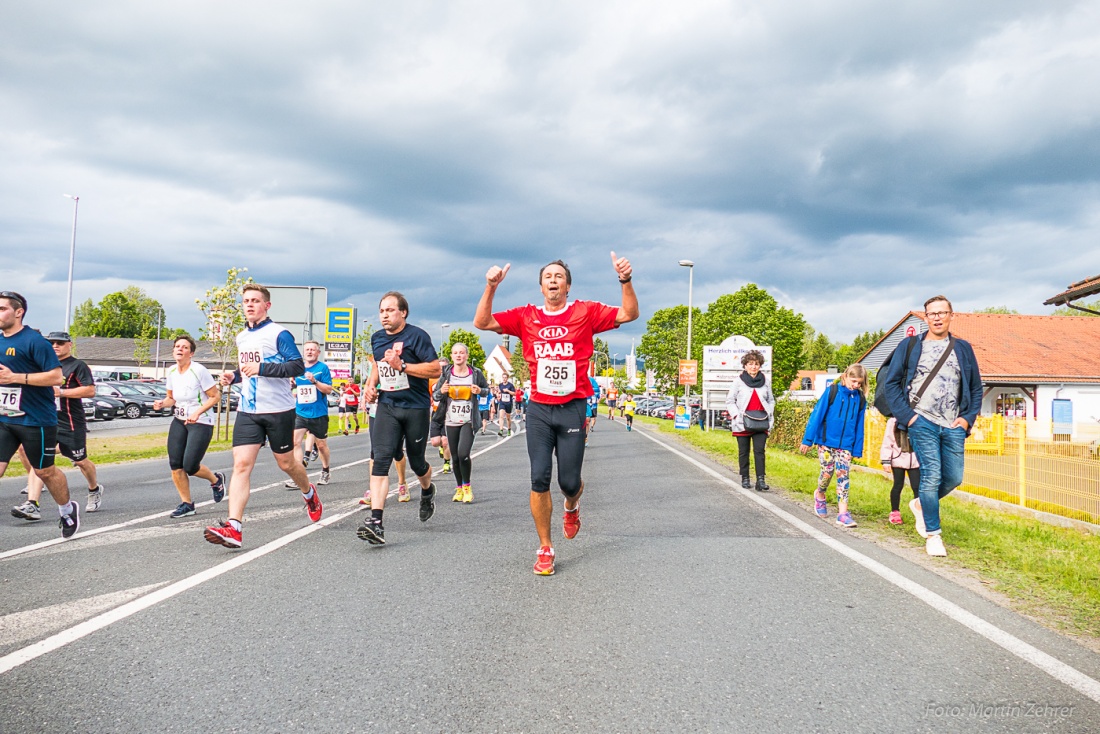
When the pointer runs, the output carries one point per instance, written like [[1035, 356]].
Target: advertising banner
[[339, 337], [689, 372]]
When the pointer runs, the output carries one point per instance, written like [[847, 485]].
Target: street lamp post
[[72, 259], [442, 338], [160, 323], [691, 274]]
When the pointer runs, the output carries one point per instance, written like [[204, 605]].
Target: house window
[[1011, 405], [807, 383]]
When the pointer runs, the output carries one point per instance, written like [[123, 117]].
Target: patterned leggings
[[836, 461]]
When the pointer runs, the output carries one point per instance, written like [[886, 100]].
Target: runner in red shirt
[[557, 345]]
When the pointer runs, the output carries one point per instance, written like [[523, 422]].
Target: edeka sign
[[689, 372], [339, 335]]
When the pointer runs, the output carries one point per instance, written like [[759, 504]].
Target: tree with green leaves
[[664, 344], [129, 313], [1067, 311], [224, 320], [819, 353], [753, 313], [473, 344], [141, 350], [997, 309], [364, 355], [520, 374]]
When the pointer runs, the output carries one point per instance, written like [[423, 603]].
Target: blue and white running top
[[272, 347]]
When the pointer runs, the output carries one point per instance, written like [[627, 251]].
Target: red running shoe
[[544, 565], [571, 522], [313, 505], [223, 534]]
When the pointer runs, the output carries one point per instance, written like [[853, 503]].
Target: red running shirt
[[558, 346]]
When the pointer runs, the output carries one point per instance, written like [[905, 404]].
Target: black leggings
[[461, 441], [394, 426], [187, 444], [556, 429], [757, 440], [899, 482]]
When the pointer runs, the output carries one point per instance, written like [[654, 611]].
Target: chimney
[[508, 343]]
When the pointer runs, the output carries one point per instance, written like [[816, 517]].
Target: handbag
[[756, 421], [901, 438]]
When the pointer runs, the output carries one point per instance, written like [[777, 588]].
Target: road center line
[[1054, 667], [72, 634]]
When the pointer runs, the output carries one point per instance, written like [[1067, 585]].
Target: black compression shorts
[[250, 429], [39, 443]]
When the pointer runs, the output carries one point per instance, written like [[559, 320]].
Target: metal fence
[[1002, 462]]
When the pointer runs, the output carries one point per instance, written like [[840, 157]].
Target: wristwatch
[[403, 365]]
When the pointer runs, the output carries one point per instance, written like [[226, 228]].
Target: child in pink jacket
[[900, 462]]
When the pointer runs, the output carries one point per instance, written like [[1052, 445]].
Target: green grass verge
[[1049, 572]]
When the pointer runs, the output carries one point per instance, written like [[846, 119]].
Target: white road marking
[[1049, 664], [20, 627], [147, 518], [19, 657]]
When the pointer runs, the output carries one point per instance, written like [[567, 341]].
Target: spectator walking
[[897, 456], [751, 407], [836, 428], [936, 394]]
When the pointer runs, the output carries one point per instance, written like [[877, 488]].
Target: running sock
[[324, 468], [309, 494], [236, 524], [66, 509], [376, 515]]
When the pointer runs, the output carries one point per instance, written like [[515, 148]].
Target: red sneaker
[[571, 522], [544, 565], [313, 505], [223, 534]]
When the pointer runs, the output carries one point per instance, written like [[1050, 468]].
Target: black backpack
[[880, 402]]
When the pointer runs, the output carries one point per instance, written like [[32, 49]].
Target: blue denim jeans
[[940, 452]]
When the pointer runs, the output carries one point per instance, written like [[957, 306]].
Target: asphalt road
[[684, 604]]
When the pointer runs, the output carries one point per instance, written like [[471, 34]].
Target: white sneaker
[[95, 499], [918, 518], [934, 546]]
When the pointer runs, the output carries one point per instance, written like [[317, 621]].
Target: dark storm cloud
[[849, 157]]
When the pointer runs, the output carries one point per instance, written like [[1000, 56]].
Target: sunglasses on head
[[15, 297]]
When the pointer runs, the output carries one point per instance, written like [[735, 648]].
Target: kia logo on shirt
[[553, 332]]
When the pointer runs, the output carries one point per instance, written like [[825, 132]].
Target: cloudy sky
[[850, 156]]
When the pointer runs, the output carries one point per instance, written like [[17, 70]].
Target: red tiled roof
[[1032, 348], [1080, 289]]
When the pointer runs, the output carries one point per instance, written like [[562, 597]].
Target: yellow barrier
[[1005, 463]]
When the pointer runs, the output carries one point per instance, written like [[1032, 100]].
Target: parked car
[[136, 404], [152, 389], [103, 408], [131, 390]]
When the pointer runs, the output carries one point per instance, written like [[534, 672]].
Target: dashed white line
[[59, 640]]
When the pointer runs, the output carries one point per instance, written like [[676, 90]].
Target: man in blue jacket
[[940, 421]]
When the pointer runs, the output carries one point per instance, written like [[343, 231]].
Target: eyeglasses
[[938, 314], [15, 297]]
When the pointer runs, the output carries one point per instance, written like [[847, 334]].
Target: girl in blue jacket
[[836, 428]]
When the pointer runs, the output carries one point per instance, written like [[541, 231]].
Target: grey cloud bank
[[850, 157]]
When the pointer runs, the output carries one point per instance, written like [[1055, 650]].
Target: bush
[[790, 424]]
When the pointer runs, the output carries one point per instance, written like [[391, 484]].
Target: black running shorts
[[250, 429], [556, 429], [74, 443], [39, 442], [317, 426]]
